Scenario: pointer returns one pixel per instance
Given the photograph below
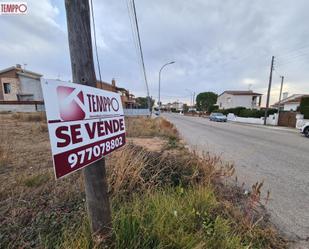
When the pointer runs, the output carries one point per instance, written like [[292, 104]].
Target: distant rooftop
[[294, 98], [21, 71], [236, 92]]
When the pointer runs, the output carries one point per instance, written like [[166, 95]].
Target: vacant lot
[[162, 195]]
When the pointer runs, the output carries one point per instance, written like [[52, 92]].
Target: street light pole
[[159, 97]]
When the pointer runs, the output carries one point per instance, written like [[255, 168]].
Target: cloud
[[216, 45], [35, 39]]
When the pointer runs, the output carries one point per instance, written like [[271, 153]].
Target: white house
[[232, 99], [175, 105], [290, 103]]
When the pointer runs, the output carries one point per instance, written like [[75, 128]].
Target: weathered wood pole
[[96, 187]]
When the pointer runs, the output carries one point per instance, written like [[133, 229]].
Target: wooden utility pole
[[96, 188], [269, 87]]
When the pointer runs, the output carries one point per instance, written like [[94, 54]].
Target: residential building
[[128, 99], [232, 99], [18, 84], [177, 106], [290, 103], [192, 109]]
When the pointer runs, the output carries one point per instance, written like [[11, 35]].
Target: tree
[[142, 102], [304, 107], [205, 101]]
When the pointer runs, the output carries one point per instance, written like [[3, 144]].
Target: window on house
[[229, 100], [7, 88]]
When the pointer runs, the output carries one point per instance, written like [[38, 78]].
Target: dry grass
[[5, 148], [33, 116], [39, 212], [147, 127], [136, 169]]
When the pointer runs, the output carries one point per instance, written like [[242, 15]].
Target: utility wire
[[292, 56], [134, 35], [140, 48], [289, 52], [95, 42], [293, 60]]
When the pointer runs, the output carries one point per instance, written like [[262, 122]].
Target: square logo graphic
[[71, 103]]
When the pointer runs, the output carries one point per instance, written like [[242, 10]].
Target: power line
[[293, 60], [134, 35], [290, 52], [176, 96], [140, 48], [296, 55], [140, 45], [95, 41]]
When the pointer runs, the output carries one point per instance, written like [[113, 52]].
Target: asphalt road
[[280, 157]]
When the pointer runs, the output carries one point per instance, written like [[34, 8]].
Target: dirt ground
[[151, 144], [25, 147]]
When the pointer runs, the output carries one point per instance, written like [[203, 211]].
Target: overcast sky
[[217, 45]]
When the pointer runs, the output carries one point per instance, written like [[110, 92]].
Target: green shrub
[[175, 218], [36, 180], [247, 113], [212, 108], [304, 107]]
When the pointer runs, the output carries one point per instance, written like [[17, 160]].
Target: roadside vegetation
[[162, 197], [247, 113]]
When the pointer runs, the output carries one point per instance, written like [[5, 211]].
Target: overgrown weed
[[168, 199], [6, 146], [30, 117], [36, 180], [148, 127]]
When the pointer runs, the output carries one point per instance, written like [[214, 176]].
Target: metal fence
[[136, 112], [38, 106]]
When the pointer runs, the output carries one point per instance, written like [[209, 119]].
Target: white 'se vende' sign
[[84, 124]]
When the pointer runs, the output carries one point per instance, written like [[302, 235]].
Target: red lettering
[[22, 8], [101, 131], [107, 102], [100, 104], [89, 101], [121, 124], [116, 125], [93, 104], [115, 104], [108, 127], [10, 8], [60, 133], [91, 130], [76, 134]]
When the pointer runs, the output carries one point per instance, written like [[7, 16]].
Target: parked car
[[305, 129], [217, 116]]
